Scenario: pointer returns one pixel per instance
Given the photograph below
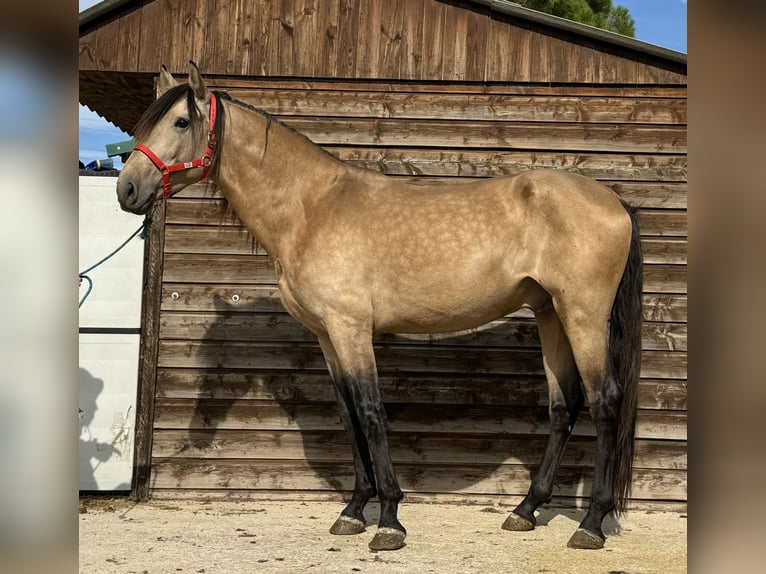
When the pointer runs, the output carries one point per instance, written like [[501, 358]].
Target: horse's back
[[529, 220], [503, 201]]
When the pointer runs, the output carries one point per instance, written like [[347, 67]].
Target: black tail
[[625, 356]]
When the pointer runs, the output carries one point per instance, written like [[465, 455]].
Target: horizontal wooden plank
[[665, 279], [333, 446], [428, 418], [225, 298], [308, 356], [662, 222], [446, 87], [300, 386], [211, 268], [280, 327], [506, 479], [425, 105], [304, 386], [230, 240], [625, 138], [215, 212], [669, 308], [235, 240], [390, 358], [668, 250], [651, 194], [235, 327], [664, 336], [341, 497]]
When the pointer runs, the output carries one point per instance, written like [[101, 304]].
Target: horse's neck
[[271, 179]]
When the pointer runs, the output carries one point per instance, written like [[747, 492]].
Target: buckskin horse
[[358, 253]]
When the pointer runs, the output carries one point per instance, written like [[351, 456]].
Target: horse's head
[[174, 143]]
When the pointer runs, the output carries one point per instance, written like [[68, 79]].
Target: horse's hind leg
[[358, 388], [565, 402], [604, 397], [351, 519]]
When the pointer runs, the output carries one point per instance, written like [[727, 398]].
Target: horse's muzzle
[[131, 199]]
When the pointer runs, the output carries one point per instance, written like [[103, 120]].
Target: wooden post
[[149, 346]]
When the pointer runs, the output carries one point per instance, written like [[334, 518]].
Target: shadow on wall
[[92, 452], [476, 433]]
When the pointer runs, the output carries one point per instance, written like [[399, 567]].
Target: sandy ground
[[119, 536]]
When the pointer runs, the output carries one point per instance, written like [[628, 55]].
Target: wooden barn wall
[[244, 406], [397, 39]]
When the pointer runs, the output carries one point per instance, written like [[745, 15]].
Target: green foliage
[[619, 20], [599, 13]]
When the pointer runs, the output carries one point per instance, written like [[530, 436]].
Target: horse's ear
[[197, 83], [165, 82]]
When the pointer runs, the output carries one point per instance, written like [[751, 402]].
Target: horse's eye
[[182, 123]]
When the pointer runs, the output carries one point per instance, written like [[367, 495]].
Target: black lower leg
[[540, 491], [565, 401], [355, 373], [372, 418], [602, 499], [364, 476], [391, 533], [604, 411]]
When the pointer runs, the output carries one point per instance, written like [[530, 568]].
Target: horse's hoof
[[516, 523], [585, 539], [346, 525], [387, 539]]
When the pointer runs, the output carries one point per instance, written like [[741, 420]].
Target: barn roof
[[102, 78]]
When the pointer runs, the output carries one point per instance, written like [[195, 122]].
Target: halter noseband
[[203, 162]]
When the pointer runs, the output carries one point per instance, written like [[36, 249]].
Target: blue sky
[[660, 22]]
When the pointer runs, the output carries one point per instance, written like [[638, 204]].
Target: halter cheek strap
[[203, 162]]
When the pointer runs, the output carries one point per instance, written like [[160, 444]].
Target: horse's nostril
[[127, 194]]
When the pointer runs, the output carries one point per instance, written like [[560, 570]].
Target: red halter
[[203, 162]]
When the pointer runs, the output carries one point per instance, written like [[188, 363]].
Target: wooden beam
[[148, 352]]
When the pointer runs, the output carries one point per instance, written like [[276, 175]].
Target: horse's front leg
[[360, 401], [351, 519]]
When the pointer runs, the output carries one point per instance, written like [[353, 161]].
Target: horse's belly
[[449, 311]]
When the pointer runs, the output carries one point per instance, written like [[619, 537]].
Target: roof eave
[[104, 10]]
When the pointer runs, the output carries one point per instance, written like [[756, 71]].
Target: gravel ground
[[119, 536]]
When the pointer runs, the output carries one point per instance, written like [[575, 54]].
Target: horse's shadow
[[420, 456], [544, 516]]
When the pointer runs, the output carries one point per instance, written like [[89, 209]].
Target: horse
[[358, 253]]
